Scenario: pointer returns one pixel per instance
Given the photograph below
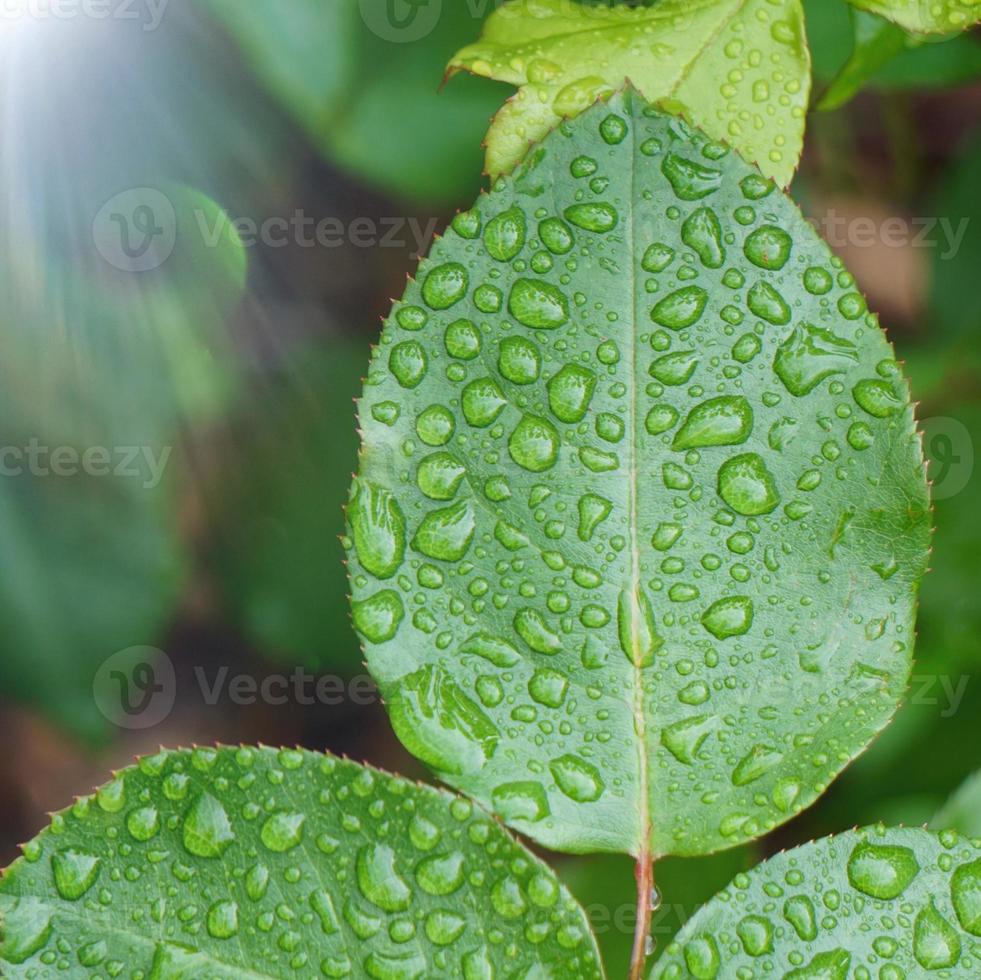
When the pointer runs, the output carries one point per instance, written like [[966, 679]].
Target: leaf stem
[[644, 874]]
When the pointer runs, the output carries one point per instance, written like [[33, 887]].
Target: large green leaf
[[638, 468], [246, 862], [871, 903], [926, 16], [963, 810], [740, 69]]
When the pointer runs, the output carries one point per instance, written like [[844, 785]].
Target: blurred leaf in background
[[367, 89], [275, 499], [963, 810]]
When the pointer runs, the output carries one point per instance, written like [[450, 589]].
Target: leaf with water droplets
[[656, 584], [894, 904], [926, 16], [227, 863], [740, 69]]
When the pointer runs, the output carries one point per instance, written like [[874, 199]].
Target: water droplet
[[690, 181], [877, 398], [441, 874], [702, 957], [676, 368], [729, 617], [613, 129], [570, 392], [636, 628], [799, 912], [702, 233], [379, 880], [746, 485], [818, 281], [534, 444], [531, 627], [26, 929], [440, 724], [519, 361], [377, 619], [765, 302], [681, 309], [833, 965], [520, 801], [548, 687], [445, 286], [207, 831], [684, 738], [282, 831], [660, 418], [809, 355], [492, 648], [439, 477], [595, 216], [725, 421], [223, 920], [443, 928], [482, 402], [755, 764], [965, 895], [408, 363], [579, 780], [378, 529], [75, 872], [462, 340], [445, 535], [657, 257], [593, 510], [505, 235], [538, 304], [769, 247], [936, 944], [882, 870], [556, 236], [143, 824], [756, 935]]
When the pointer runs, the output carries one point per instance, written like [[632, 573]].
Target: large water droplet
[[936, 944], [681, 309], [482, 402], [534, 444], [579, 780], [207, 831], [75, 872], [378, 529], [690, 181], [505, 235], [882, 870], [596, 216], [445, 286], [965, 895], [702, 233], [570, 392], [538, 304], [378, 617], [283, 831], [725, 421], [729, 617], [769, 247], [746, 485], [379, 880], [636, 628], [446, 534], [521, 801], [809, 355]]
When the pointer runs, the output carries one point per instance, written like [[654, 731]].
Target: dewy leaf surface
[[739, 69], [926, 16], [641, 508], [237, 863], [891, 904]]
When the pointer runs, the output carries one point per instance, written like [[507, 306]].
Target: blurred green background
[[165, 296]]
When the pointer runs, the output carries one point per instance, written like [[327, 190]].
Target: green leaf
[[638, 466], [363, 81], [885, 903], [230, 863], [877, 42], [962, 811], [739, 69], [926, 16], [921, 64]]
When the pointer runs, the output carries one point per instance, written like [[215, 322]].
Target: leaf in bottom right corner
[[892, 904]]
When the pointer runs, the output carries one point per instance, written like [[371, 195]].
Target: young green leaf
[[739, 69], [641, 509], [963, 810], [870, 903], [926, 16], [247, 862], [877, 42]]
